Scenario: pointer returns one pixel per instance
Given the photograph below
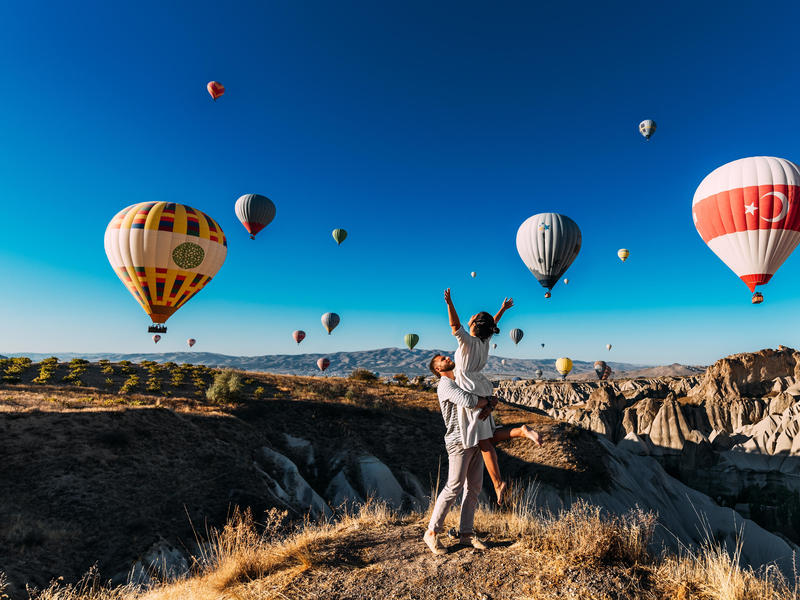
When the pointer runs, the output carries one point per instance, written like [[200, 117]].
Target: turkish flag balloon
[[747, 213], [216, 89]]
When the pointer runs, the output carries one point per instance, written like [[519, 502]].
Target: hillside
[[124, 466], [385, 361]]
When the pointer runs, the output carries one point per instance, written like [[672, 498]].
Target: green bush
[[226, 387], [153, 384], [130, 384], [401, 378], [363, 375], [258, 392]]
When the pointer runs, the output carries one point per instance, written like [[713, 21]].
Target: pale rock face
[[377, 481], [302, 449], [341, 494], [670, 430], [285, 482], [161, 561]]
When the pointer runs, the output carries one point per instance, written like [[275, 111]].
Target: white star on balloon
[[750, 209]]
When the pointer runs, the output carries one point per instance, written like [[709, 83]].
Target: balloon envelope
[[538, 373], [494, 346], [564, 366], [411, 339], [299, 335], [255, 212], [516, 335], [566, 281], [547, 244], [623, 254], [164, 253], [323, 363], [191, 342], [647, 128], [216, 89], [339, 235], [747, 212], [330, 321], [600, 368], [472, 274], [608, 346]]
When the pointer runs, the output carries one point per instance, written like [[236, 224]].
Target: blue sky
[[429, 131]]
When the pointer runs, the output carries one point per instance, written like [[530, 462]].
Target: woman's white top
[[470, 359]]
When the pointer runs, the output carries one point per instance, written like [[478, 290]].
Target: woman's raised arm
[[507, 303], [455, 323]]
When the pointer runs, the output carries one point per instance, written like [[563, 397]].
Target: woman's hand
[[507, 303], [447, 296]]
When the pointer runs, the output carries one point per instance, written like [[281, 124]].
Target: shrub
[[363, 375], [258, 392], [153, 384], [401, 378], [226, 387], [130, 383], [107, 370]]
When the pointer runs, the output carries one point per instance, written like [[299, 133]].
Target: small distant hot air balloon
[[156, 337], [191, 342], [255, 212], [647, 128], [608, 346], [494, 346], [216, 89], [330, 321], [600, 368], [564, 366], [548, 243], [516, 335], [607, 373], [299, 335], [758, 298], [542, 344], [503, 362], [164, 253], [323, 363], [472, 274], [566, 281], [747, 212], [623, 254], [538, 373], [547, 294], [411, 339], [339, 235]]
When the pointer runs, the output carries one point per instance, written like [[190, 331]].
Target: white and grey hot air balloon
[[647, 128], [547, 244], [516, 335], [538, 373], [255, 212], [329, 321]]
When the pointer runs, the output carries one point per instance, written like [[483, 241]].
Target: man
[[465, 470]]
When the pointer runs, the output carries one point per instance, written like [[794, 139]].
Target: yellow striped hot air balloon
[[564, 366], [623, 254], [164, 253]]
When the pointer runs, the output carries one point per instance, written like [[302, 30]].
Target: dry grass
[[576, 554]]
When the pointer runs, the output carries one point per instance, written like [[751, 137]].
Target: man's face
[[444, 364]]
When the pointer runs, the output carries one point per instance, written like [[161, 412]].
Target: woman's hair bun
[[497, 330]]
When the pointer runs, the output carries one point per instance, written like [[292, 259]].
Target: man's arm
[[459, 397], [507, 303]]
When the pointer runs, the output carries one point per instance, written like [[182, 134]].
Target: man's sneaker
[[433, 542], [472, 540]]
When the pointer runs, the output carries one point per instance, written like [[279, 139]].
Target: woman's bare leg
[[493, 467], [501, 434]]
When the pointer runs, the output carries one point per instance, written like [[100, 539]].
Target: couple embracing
[[466, 401]]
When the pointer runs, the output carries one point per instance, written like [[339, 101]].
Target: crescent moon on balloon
[[784, 206]]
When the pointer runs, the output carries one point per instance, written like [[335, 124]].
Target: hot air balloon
[[547, 244], [647, 128], [566, 281], [323, 363], [542, 345], [503, 362], [330, 321], [516, 335], [600, 368], [299, 335], [564, 366], [191, 342], [623, 254], [747, 213], [538, 373], [411, 339], [156, 337], [339, 235], [216, 89], [255, 212], [547, 294], [472, 274], [757, 298], [607, 373], [608, 346], [494, 346], [164, 253]]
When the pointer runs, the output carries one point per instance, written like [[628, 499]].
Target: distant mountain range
[[384, 361]]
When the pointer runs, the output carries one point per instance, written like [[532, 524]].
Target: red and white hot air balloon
[[323, 363], [156, 337], [299, 335], [191, 342], [216, 89], [747, 212]]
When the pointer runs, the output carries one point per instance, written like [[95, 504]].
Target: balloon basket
[[157, 329]]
